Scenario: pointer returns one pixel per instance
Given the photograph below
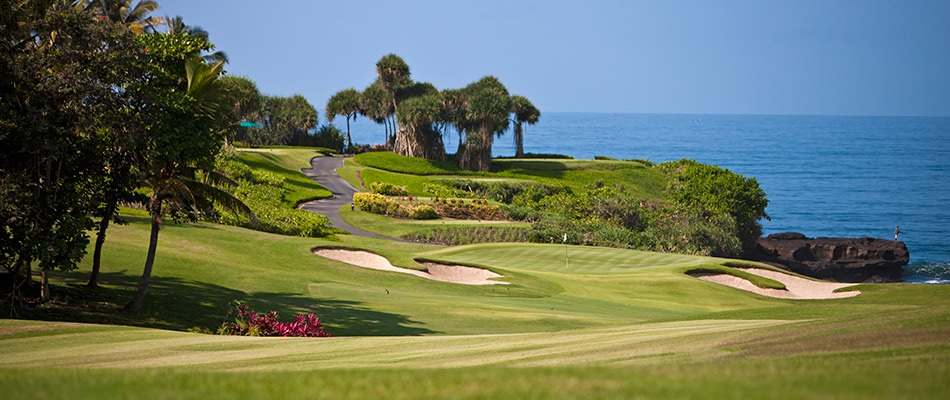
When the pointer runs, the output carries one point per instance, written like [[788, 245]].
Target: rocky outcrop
[[838, 259]]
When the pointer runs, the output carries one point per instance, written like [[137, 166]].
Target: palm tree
[[135, 18], [346, 102], [175, 183], [419, 116], [375, 105], [176, 25], [524, 112], [393, 75], [486, 106]]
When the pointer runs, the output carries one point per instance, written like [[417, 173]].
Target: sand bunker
[[796, 288], [436, 272]]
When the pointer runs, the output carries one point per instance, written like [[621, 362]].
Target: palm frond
[[222, 198]]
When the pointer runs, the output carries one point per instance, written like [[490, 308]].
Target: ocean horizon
[[824, 175]]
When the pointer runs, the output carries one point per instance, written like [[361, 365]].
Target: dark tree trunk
[[519, 141], [139, 298], [349, 140], [477, 153], [111, 204]]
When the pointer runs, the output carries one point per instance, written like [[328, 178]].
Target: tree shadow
[[176, 304]]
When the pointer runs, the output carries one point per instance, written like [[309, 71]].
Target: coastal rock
[[837, 259]]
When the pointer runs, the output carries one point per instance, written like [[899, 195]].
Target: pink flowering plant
[[251, 323]]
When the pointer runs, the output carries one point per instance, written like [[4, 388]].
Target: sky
[[841, 57]]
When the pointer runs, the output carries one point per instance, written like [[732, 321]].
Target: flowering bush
[[378, 204], [388, 189], [475, 209], [250, 323]]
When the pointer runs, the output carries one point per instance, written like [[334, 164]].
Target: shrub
[[388, 189], [460, 209], [500, 191], [377, 204], [421, 211], [263, 192], [250, 323], [718, 192], [458, 235]]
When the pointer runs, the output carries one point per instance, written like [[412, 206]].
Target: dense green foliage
[[265, 194], [379, 204], [682, 207], [461, 235], [388, 189], [717, 195]]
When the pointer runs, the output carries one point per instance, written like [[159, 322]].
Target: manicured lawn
[[573, 322]]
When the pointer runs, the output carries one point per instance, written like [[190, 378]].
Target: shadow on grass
[[175, 304]]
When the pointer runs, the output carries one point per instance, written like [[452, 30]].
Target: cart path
[[323, 170]]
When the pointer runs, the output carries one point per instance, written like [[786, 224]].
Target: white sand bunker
[[436, 272], [796, 288]]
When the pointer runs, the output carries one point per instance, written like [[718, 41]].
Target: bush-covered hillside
[[682, 206]]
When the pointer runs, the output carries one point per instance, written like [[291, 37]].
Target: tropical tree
[[187, 106], [288, 119], [347, 103], [375, 104], [62, 76], [393, 75], [420, 116], [420, 134], [485, 105], [524, 112], [175, 25], [136, 18]]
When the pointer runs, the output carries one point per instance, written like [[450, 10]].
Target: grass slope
[[575, 322], [287, 163]]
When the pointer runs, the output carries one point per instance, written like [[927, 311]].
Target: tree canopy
[[417, 113]]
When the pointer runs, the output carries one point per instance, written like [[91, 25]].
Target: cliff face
[[838, 259]]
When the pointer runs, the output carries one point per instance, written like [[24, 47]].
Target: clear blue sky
[[856, 57]]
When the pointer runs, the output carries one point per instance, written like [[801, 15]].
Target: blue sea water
[[824, 175]]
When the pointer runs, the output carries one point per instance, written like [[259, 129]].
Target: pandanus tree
[[375, 104], [393, 75], [524, 112], [485, 108], [346, 103], [420, 117]]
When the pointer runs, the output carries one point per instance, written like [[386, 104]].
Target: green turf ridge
[[758, 281]]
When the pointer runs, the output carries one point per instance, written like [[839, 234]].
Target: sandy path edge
[[796, 288], [437, 272]]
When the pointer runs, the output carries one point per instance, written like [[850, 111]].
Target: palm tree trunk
[[349, 139], [111, 204], [519, 140], [139, 298]]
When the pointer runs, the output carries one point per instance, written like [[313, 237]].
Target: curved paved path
[[323, 170]]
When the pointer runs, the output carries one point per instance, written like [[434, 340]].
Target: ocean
[[833, 176]]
